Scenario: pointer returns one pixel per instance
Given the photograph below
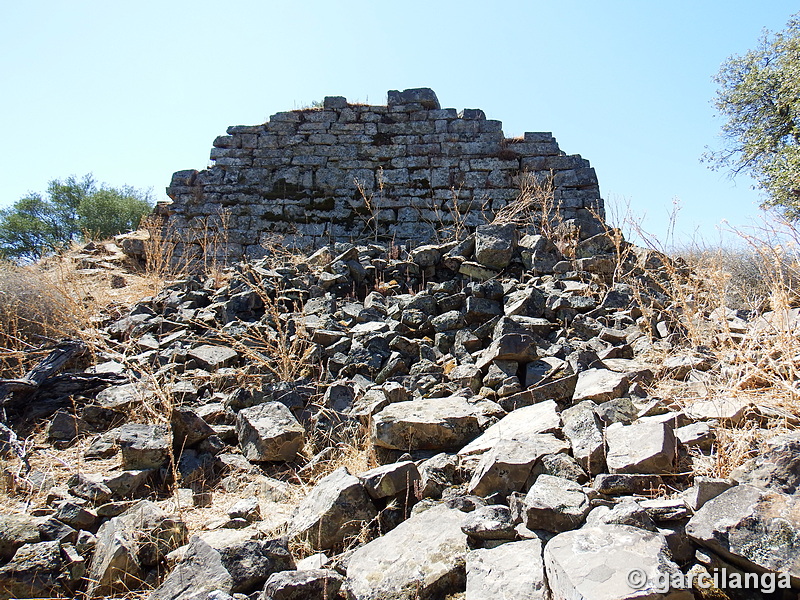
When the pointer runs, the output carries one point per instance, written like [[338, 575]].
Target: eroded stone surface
[[432, 423], [751, 527], [512, 570], [422, 557], [593, 563]]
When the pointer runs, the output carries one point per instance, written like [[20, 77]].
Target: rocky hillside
[[481, 419]]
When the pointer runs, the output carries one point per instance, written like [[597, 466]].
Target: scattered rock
[[584, 430], [423, 557], [269, 432], [776, 466], [524, 422], [33, 572], [15, 531], [128, 544], [643, 447], [512, 570], [600, 385], [555, 504], [594, 563], [302, 585], [213, 358], [144, 446], [432, 423], [336, 508], [751, 527], [389, 480], [493, 522], [494, 245], [508, 465]]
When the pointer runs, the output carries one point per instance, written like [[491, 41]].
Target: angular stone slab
[[140, 537], [214, 357], [523, 422], [335, 508], [555, 504], [776, 467], [753, 528], [33, 572], [512, 570], [302, 585], [144, 446], [432, 423], [508, 465], [727, 410], [511, 346], [199, 573], [584, 430], [269, 432], [600, 385], [642, 447], [594, 563], [388, 480], [493, 522], [558, 390], [16, 531], [422, 558], [494, 245]]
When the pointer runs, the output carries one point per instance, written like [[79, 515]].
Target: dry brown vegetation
[[43, 303]]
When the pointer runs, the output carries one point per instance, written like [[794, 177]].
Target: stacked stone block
[[408, 173]]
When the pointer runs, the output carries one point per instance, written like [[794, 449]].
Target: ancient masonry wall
[[402, 173]]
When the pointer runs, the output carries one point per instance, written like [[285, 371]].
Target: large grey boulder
[[248, 556], [777, 465], [188, 428], [555, 504], [508, 465], [492, 522], [33, 572], [626, 512], [523, 422], [424, 96], [200, 573], [513, 570], [269, 432], [519, 347], [494, 245], [212, 358], [128, 544], [594, 563], [422, 558], [144, 446], [641, 447], [437, 474], [389, 480], [600, 385], [310, 584], [753, 528], [336, 508], [432, 423], [584, 430], [16, 531], [559, 390]]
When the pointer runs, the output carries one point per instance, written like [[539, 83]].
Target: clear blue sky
[[132, 91]]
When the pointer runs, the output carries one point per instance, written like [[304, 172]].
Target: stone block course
[[403, 155]]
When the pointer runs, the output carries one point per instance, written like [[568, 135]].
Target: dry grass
[[713, 299]]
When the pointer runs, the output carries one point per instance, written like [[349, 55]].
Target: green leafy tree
[[110, 211], [72, 209], [759, 96]]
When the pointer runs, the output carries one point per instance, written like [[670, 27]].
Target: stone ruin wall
[[301, 179]]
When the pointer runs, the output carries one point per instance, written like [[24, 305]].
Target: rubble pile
[[499, 387]]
